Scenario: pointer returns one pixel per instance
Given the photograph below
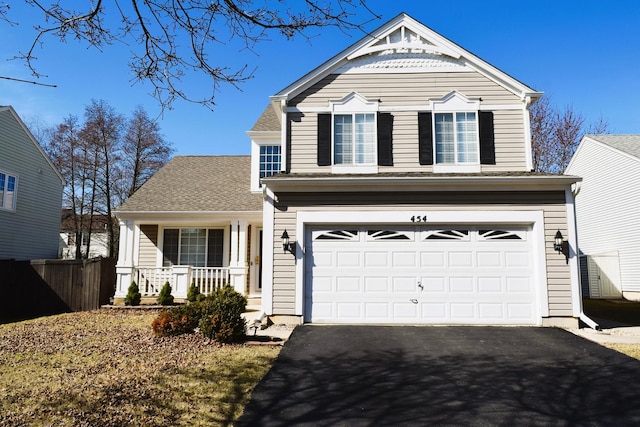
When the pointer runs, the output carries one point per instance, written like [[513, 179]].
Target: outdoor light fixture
[[561, 246], [286, 246]]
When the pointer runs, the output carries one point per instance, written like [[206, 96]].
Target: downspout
[[583, 317]]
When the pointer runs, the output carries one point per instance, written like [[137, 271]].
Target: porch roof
[[197, 184]]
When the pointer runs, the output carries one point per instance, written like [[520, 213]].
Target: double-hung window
[[456, 136], [354, 139], [7, 191], [197, 247]]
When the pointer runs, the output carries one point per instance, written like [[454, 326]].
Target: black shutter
[[425, 138], [487, 143], [324, 139], [385, 139]]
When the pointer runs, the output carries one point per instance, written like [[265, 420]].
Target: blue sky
[[584, 54]]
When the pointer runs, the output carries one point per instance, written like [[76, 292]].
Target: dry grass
[[631, 350], [106, 368]]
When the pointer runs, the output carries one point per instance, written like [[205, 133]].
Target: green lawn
[[107, 368]]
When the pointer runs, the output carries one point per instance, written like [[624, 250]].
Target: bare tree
[[103, 130], [555, 135], [172, 39], [144, 151]]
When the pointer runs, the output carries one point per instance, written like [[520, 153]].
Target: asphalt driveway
[[400, 375]]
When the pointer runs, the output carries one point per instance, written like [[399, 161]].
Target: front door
[[256, 264]]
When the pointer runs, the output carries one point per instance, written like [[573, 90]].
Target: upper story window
[[354, 137], [456, 136], [270, 160], [7, 191]]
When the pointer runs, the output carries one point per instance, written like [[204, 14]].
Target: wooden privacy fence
[[41, 287]]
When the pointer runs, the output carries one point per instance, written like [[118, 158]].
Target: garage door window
[[374, 235], [501, 235], [462, 235], [339, 235]]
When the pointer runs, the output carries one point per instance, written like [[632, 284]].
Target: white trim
[[226, 236], [267, 252], [255, 159], [354, 168], [407, 108], [527, 134], [456, 167], [14, 202], [533, 218], [454, 101], [572, 232], [283, 136], [353, 103]]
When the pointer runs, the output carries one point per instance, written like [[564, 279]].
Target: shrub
[[193, 293], [222, 315], [177, 320], [133, 295], [165, 297]]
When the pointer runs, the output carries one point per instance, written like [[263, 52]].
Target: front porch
[[207, 253]]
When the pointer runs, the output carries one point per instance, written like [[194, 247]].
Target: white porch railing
[[151, 280]]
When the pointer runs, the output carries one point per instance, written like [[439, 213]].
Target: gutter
[[588, 321]]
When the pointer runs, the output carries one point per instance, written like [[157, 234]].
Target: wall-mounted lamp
[[561, 246], [286, 245]]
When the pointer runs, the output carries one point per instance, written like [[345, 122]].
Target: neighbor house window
[[354, 139], [456, 138], [269, 160], [7, 191], [197, 247]]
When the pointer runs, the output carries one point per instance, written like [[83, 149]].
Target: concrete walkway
[[611, 332]]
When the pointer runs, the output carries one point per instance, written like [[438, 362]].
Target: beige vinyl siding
[[148, 249], [404, 89], [408, 90], [32, 231], [551, 203], [284, 265]]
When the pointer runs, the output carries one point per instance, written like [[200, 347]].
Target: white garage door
[[416, 275]]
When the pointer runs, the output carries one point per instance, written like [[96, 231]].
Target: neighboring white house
[[30, 193], [608, 214], [91, 246], [404, 187]]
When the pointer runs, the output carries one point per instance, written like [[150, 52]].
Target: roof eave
[[431, 183]]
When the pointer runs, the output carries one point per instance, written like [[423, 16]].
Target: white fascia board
[[459, 183], [184, 216]]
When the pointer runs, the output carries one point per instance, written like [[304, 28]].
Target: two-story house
[[404, 195]]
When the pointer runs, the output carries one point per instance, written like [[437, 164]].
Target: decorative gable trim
[[352, 103], [455, 101], [428, 43]]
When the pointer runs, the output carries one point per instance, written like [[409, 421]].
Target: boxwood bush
[[222, 315]]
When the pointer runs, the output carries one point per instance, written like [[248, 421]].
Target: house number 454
[[418, 218]]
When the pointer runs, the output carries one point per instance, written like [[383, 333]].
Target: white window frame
[[256, 143], [4, 191], [353, 104], [453, 103]]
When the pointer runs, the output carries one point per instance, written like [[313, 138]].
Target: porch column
[[124, 268], [238, 268]]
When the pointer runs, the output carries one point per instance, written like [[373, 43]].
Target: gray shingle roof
[[629, 144], [198, 184], [268, 121]]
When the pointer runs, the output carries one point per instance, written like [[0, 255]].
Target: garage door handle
[[413, 300]]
